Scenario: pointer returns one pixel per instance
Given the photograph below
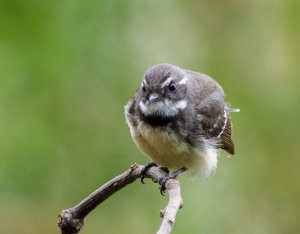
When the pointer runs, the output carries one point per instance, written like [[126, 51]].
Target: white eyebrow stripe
[[166, 82], [144, 83], [183, 81]]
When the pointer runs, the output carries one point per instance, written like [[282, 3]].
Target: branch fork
[[71, 220]]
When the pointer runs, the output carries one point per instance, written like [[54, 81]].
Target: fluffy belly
[[167, 150]]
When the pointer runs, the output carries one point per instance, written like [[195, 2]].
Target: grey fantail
[[179, 119]]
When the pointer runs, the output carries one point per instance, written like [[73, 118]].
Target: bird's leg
[[172, 175]]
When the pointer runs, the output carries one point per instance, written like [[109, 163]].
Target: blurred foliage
[[67, 68]]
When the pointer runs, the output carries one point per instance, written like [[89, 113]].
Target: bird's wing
[[216, 124], [213, 113]]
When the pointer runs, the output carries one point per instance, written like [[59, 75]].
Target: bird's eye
[[144, 89], [172, 87]]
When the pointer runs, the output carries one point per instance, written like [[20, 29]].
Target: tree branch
[[71, 220]]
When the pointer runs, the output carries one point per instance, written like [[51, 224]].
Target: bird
[[179, 119]]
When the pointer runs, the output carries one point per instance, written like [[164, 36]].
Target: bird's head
[[163, 91]]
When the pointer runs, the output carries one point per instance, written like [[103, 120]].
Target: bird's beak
[[153, 97]]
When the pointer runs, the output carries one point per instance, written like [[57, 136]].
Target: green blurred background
[[67, 68]]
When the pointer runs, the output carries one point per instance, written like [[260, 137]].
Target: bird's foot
[[172, 175], [145, 169]]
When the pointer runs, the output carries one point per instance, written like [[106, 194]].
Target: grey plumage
[[182, 110]]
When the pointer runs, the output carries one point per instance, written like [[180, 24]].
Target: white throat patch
[[166, 108]]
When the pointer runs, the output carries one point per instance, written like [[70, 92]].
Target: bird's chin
[[163, 109], [152, 109]]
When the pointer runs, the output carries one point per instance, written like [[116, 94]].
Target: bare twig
[[71, 220], [174, 204]]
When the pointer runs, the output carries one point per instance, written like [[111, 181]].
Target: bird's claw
[[173, 175], [145, 169], [162, 182]]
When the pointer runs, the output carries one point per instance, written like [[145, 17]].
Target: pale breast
[[162, 147], [167, 150]]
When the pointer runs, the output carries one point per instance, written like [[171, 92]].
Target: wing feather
[[218, 127]]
